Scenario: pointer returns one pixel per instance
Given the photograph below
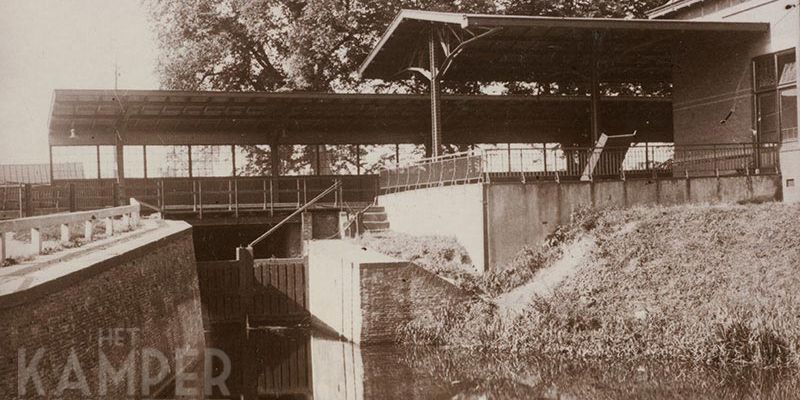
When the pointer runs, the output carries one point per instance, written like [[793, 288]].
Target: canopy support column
[[595, 91], [436, 101], [50, 152], [274, 158], [120, 156]]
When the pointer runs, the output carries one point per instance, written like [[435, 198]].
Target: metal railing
[[192, 195], [129, 214], [449, 169], [587, 163]]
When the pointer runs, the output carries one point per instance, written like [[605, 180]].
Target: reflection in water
[[296, 364]]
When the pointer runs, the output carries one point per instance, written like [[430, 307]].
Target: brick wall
[[394, 294], [365, 296], [152, 288]]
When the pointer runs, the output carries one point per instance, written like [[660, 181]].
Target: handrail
[[130, 214], [150, 206], [42, 221], [319, 197], [556, 162]]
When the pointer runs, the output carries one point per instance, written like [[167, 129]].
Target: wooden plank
[[299, 292]]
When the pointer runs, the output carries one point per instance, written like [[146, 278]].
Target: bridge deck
[[191, 196]]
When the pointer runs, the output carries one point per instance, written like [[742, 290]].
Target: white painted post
[[65, 234], [126, 220], [342, 224], [36, 240], [88, 230], [136, 215], [109, 226]]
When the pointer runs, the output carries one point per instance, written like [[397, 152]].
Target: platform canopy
[[156, 117], [474, 47]]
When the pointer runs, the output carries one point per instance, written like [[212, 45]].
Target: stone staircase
[[374, 219]]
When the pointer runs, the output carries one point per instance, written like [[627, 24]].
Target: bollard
[[109, 223], [88, 230], [136, 215], [65, 234], [36, 240]]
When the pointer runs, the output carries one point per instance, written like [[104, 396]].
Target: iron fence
[[193, 195], [585, 163], [450, 169]]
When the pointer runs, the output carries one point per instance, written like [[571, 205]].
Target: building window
[[775, 77]]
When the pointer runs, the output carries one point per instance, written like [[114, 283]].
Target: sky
[[65, 44]]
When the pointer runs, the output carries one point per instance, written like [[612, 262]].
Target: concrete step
[[376, 209], [374, 216], [376, 225]]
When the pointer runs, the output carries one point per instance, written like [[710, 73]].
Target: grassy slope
[[712, 284]]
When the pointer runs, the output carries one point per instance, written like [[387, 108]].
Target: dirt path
[[545, 280]]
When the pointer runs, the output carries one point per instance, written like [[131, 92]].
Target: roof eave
[[419, 15], [669, 8], [611, 23]]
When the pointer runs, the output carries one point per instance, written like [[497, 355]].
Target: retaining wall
[[520, 215], [147, 283], [449, 210]]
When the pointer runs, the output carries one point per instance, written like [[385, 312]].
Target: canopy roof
[[179, 117], [477, 47]]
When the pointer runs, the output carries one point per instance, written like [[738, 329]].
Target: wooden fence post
[[244, 256]]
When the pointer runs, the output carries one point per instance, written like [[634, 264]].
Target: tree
[[583, 8], [317, 45], [275, 44]]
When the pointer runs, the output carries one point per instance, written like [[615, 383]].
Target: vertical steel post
[[595, 89], [120, 158], [233, 160], [318, 164], [52, 175], [97, 158], [191, 173], [508, 151], [275, 160], [436, 112], [358, 159], [144, 160]]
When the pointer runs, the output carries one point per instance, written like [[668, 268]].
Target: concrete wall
[[147, 283], [365, 296], [790, 169], [449, 210], [520, 215]]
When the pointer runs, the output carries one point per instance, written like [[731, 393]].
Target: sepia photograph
[[399, 199]]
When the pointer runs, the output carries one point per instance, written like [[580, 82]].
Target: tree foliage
[[316, 45], [275, 44]]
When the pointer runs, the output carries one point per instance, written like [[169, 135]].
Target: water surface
[[299, 364]]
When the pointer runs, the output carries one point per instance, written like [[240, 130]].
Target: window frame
[[776, 88]]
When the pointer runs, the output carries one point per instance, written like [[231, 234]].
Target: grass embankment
[[705, 284], [447, 258]]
